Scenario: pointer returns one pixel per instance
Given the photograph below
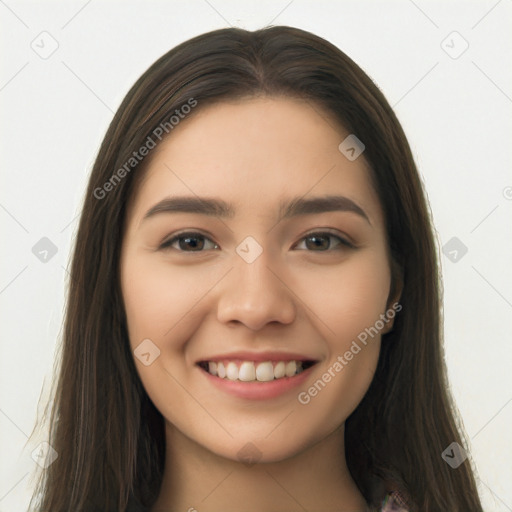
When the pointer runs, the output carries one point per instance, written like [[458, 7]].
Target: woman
[[213, 358]]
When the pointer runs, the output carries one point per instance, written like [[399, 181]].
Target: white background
[[456, 113]]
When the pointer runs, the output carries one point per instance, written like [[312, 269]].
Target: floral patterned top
[[394, 502]]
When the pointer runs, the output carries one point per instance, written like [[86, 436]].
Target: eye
[[196, 242], [321, 241], [192, 240]]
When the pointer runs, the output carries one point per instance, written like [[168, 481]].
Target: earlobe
[[388, 325], [392, 310], [393, 304]]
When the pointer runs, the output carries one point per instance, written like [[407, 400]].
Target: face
[[277, 286]]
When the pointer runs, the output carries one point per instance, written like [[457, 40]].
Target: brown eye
[[188, 242], [321, 242]]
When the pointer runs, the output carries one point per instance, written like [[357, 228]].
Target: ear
[[393, 306]]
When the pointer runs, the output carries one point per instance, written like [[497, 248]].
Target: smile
[[246, 379], [250, 371]]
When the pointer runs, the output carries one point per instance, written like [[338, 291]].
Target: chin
[[250, 450]]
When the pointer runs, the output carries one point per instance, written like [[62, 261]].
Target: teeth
[[221, 371], [265, 371], [248, 371], [291, 368], [232, 371], [279, 370]]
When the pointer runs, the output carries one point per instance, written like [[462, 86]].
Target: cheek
[[348, 298], [349, 304], [159, 297], [164, 303]]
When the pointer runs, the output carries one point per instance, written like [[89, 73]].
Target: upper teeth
[[248, 371]]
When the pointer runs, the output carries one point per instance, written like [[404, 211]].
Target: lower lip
[[256, 390]]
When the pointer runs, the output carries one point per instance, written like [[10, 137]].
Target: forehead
[[255, 153]]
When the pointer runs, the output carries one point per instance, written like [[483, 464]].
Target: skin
[[294, 297]]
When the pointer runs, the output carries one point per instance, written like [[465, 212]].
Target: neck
[[196, 479]]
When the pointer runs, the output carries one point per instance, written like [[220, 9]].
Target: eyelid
[[344, 240], [166, 244]]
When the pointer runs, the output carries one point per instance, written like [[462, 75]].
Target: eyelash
[[166, 246]]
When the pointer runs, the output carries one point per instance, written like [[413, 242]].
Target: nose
[[255, 295]]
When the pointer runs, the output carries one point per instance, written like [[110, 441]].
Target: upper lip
[[259, 356]]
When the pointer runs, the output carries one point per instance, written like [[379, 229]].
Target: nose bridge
[[253, 294]]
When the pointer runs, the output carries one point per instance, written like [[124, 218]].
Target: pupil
[[321, 245], [192, 244]]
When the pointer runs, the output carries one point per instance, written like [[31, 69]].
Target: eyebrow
[[215, 207]]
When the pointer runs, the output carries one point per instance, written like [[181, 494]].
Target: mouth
[[257, 375], [247, 379], [240, 370]]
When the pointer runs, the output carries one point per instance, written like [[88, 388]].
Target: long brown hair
[[108, 435]]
